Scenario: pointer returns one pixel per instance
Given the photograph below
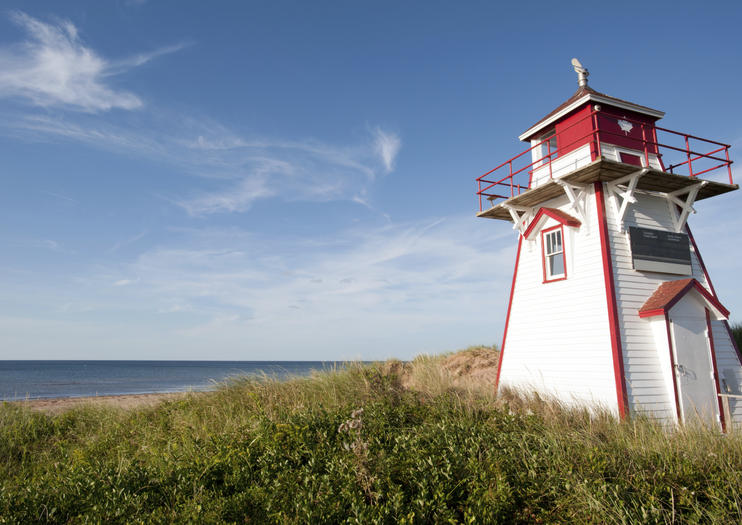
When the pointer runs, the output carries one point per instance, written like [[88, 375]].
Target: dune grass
[[389, 443]]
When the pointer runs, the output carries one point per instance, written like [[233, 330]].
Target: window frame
[[544, 233]]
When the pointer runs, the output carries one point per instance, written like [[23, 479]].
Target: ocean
[[50, 379]]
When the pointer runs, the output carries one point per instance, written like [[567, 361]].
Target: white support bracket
[[679, 218], [576, 193], [616, 189], [521, 216]]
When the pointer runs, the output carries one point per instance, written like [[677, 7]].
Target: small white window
[[549, 146], [543, 148], [554, 267]]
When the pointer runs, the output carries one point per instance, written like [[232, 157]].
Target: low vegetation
[[418, 442], [737, 334]]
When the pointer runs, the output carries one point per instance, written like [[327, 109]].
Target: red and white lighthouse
[[611, 304]]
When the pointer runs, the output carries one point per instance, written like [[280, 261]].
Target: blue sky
[[295, 180]]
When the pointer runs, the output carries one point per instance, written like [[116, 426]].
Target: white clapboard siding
[[647, 391], [558, 338], [728, 365]]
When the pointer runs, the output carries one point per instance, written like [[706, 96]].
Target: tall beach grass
[[396, 442]]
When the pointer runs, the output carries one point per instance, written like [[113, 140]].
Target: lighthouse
[[611, 304]]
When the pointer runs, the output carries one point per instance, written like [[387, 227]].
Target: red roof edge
[[554, 213], [669, 293]]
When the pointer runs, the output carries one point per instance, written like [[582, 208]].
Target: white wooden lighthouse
[[611, 304]]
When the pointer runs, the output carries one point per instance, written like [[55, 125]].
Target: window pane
[[556, 265], [557, 241]]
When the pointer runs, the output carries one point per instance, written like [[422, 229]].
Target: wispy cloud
[[352, 286], [60, 196], [54, 67], [241, 171], [290, 170], [387, 146], [44, 243], [131, 240], [237, 198], [125, 282]]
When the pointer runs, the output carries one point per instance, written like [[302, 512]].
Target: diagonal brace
[[521, 216], [576, 194], [627, 195], [679, 208]]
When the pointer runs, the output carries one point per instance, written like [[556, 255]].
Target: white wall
[[727, 363], [558, 339], [646, 379], [561, 166], [611, 152]]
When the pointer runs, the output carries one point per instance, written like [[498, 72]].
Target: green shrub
[[303, 451], [737, 334]]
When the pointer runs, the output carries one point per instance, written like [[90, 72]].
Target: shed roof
[[669, 293]]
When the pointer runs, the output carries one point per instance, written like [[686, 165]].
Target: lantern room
[[588, 125]]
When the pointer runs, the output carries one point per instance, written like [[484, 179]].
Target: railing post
[[729, 164], [548, 150], [646, 149], [510, 167], [596, 136], [479, 192], [690, 161]]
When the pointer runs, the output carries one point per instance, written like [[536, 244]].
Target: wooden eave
[[606, 171]]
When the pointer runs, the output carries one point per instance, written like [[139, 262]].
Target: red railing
[[675, 154]]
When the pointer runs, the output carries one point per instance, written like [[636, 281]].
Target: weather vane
[[582, 73]]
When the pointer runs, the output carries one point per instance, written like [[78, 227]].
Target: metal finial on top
[[582, 72]]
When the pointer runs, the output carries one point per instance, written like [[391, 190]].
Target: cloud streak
[[289, 170], [239, 171], [54, 68], [349, 289], [387, 146]]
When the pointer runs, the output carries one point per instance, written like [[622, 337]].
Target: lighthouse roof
[[583, 95]]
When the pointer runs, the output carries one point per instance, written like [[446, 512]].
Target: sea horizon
[[22, 379]]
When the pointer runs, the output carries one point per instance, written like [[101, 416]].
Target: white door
[[693, 368]]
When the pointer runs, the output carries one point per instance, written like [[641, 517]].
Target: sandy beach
[[125, 401]]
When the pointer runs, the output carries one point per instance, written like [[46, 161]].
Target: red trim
[[652, 313], [667, 303], [543, 254], [672, 369], [507, 317], [700, 259], [711, 286], [557, 215], [610, 295], [716, 371]]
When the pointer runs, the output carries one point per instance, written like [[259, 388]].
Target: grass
[[737, 334], [426, 447]]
